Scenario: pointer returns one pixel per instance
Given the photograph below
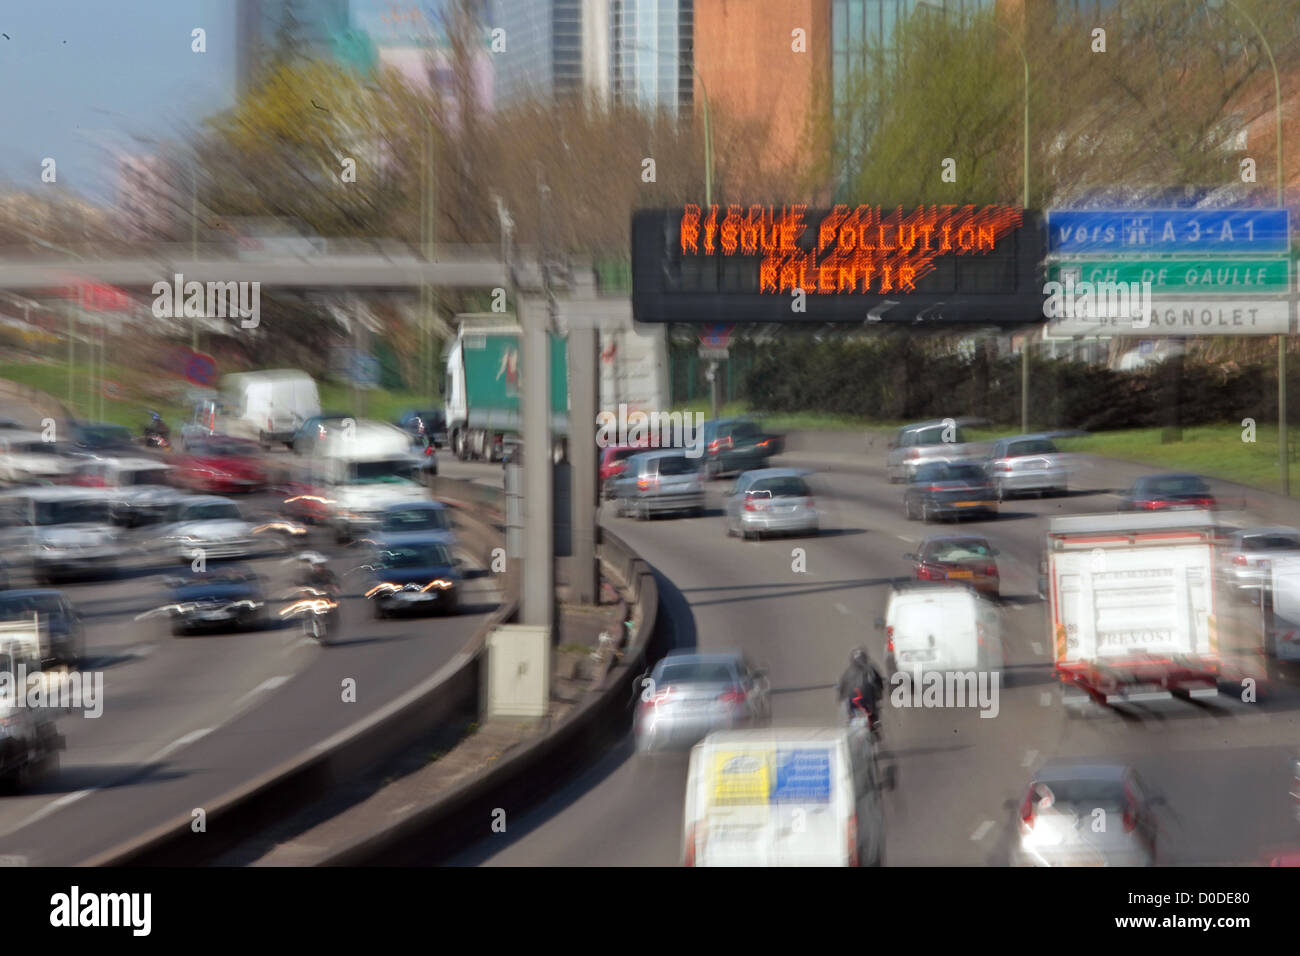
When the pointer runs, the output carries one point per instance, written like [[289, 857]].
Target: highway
[[1224, 766], [188, 719]]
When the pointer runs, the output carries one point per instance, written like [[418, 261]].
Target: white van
[[364, 467], [784, 797], [941, 627], [62, 531], [26, 457], [269, 406]]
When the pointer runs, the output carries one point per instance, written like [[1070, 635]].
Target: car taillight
[[1003, 466], [428, 451], [914, 453], [1203, 502], [645, 483], [889, 639], [1130, 820], [934, 488], [1027, 810], [991, 571], [763, 444], [1154, 505], [718, 444], [852, 834], [734, 696], [1240, 559]]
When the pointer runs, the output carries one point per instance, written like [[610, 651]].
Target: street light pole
[[1282, 460]]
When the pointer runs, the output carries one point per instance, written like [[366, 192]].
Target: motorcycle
[[157, 440], [317, 612]]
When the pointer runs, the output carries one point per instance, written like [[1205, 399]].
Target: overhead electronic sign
[[844, 264]]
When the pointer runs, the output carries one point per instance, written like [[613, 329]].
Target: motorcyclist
[[156, 427], [314, 572], [861, 686]]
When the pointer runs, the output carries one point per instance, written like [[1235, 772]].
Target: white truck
[[482, 394], [29, 739], [1280, 612], [268, 406], [1131, 607]]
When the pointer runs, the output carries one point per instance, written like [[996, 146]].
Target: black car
[[427, 422], [225, 599], [99, 437], [944, 490], [413, 572], [67, 637], [1168, 493], [733, 445]]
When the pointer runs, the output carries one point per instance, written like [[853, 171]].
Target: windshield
[[143, 476], [706, 672], [13, 605], [34, 448], [417, 519], [934, 436], [968, 473], [72, 512], [780, 488], [966, 549], [104, 437], [1090, 793], [414, 556], [378, 472], [1271, 542], [1177, 485], [676, 465], [217, 511], [1039, 446]]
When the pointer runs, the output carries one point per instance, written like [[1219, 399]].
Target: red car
[[963, 558], [221, 465], [612, 462]]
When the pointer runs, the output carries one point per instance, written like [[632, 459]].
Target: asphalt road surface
[[1224, 766]]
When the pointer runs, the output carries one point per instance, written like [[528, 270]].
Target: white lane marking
[[902, 537], [63, 801], [1030, 757], [1045, 698], [1038, 648], [841, 608], [981, 831], [13, 859], [271, 683], [178, 743]]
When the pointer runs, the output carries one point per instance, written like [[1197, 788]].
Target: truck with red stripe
[[1131, 607]]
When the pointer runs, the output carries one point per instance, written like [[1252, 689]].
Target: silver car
[[686, 696], [770, 501], [924, 443], [1085, 815], [1024, 464], [657, 482], [1243, 556]]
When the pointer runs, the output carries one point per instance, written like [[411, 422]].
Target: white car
[[141, 487], [1085, 815], [26, 457], [64, 531], [213, 526]]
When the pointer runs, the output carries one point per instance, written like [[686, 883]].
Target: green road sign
[[1185, 276]]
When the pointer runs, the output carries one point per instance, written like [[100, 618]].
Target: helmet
[[858, 656], [311, 558], [154, 416]]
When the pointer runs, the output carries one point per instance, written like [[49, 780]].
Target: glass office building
[[652, 53]]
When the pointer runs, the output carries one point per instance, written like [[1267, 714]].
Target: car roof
[[713, 657], [132, 461], [1081, 770], [1279, 529], [1033, 436], [417, 504], [955, 536], [1171, 474], [412, 537], [21, 434], [206, 500], [920, 592], [776, 734], [61, 492], [662, 453], [777, 473]]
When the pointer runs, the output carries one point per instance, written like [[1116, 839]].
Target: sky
[[80, 78]]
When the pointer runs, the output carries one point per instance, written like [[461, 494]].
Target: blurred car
[[1059, 824], [787, 796], [689, 695], [429, 423], [218, 599], [1168, 493], [770, 501], [8, 424], [64, 531], [735, 445], [314, 430], [1026, 463], [922, 443], [100, 437], [965, 558], [220, 464], [413, 572], [613, 461], [656, 482], [26, 457], [67, 637], [1245, 553], [213, 526], [941, 490], [941, 627], [140, 488], [431, 519]]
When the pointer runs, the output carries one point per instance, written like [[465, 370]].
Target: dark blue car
[[413, 572], [219, 599]]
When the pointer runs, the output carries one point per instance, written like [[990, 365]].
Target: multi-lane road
[[186, 720], [1223, 766]]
